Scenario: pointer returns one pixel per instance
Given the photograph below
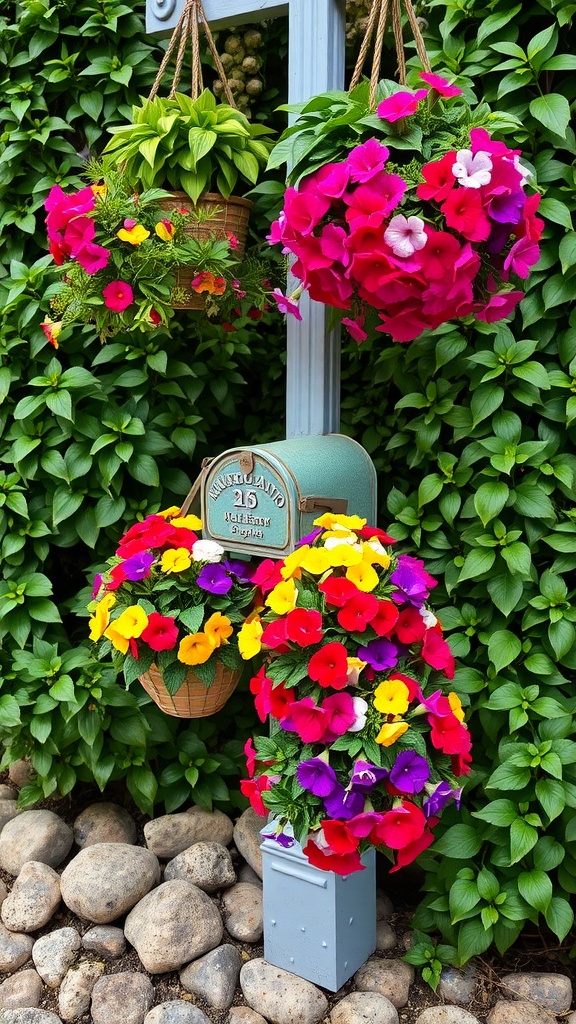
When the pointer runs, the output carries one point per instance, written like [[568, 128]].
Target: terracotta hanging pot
[[219, 218], [193, 699]]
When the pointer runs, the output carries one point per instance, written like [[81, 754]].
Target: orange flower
[[206, 282]]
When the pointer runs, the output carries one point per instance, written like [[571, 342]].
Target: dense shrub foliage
[[91, 437], [472, 431]]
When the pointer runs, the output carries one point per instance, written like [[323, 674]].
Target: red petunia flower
[[117, 578], [344, 864], [275, 637], [161, 633], [337, 590], [438, 177], [339, 838], [267, 575], [410, 628], [412, 850], [253, 789], [385, 619], [401, 826], [436, 653], [358, 612], [329, 666], [304, 626]]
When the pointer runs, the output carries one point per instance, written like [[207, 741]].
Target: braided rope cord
[[187, 28], [376, 27]]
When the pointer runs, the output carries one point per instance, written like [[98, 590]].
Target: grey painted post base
[[318, 925]]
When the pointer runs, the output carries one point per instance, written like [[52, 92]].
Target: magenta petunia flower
[[118, 295], [441, 85], [522, 256], [214, 578], [400, 104], [355, 328], [366, 160], [286, 303], [410, 772]]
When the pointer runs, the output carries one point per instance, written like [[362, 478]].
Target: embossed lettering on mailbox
[[243, 506]]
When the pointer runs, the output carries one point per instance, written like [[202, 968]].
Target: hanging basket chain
[[377, 23], [186, 29]]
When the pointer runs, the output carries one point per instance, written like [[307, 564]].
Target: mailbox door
[[250, 503]]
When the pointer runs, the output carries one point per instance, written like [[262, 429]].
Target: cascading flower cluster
[[120, 254], [404, 245], [366, 744], [171, 598]]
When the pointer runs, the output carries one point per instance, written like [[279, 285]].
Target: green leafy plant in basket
[[193, 145]]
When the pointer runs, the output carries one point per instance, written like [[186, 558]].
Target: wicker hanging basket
[[193, 699], [219, 218]]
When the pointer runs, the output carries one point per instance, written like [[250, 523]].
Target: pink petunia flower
[[286, 304], [439, 84], [405, 235], [93, 257], [367, 160], [499, 306], [118, 295], [355, 328], [522, 256], [472, 169], [400, 104]]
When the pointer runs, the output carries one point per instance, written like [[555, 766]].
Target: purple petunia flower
[[380, 654], [410, 772], [243, 571], [310, 537], [138, 566], [275, 830], [97, 584], [214, 578], [316, 776], [439, 797], [507, 208], [365, 776], [342, 804], [412, 582]]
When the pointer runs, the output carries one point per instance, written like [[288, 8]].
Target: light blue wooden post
[[316, 51]]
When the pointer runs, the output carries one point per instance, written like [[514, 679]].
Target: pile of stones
[[92, 924]]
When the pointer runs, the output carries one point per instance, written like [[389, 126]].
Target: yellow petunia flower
[[355, 666], [249, 643], [330, 519], [456, 705], [375, 554], [99, 190], [135, 235], [195, 649], [188, 522], [174, 510], [317, 561], [175, 560], [218, 628], [390, 732], [117, 640], [392, 697], [293, 562], [344, 555], [364, 576], [165, 230], [283, 598], [101, 617], [131, 623]]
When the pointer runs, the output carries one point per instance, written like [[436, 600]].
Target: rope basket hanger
[[187, 29], [377, 21]]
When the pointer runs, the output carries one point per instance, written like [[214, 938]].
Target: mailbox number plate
[[247, 507]]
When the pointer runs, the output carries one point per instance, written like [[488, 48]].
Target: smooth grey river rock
[[172, 925], [176, 1012], [105, 940], [247, 838], [76, 989], [391, 978], [364, 1008], [214, 976], [121, 999], [280, 997], [170, 834], [207, 865], [21, 990], [34, 835], [104, 823], [242, 909], [34, 898], [458, 986], [519, 1012], [104, 881], [553, 991], [15, 949], [447, 1015], [54, 953], [28, 1016]]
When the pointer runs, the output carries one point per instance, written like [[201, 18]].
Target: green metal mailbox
[[262, 499]]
